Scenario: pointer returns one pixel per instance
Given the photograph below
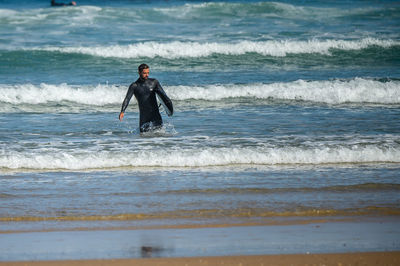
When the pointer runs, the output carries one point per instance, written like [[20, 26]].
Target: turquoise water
[[282, 109]]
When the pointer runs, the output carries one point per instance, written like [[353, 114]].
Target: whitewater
[[180, 49], [194, 157], [357, 90]]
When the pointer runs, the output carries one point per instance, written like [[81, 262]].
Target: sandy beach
[[370, 258]]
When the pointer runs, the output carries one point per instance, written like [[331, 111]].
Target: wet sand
[[373, 241], [369, 258]]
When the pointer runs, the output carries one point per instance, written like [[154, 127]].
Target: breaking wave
[[178, 49], [180, 157], [333, 92], [357, 90], [193, 11], [46, 93]]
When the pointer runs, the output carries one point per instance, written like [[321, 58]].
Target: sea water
[[281, 109]]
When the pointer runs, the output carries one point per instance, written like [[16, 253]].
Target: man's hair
[[142, 66]]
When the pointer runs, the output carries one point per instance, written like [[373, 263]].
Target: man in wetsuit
[[53, 3], [145, 89]]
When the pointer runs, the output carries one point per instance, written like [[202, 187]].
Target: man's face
[[145, 73]]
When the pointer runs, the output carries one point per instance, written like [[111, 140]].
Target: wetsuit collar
[[141, 80]]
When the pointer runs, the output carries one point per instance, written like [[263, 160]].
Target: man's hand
[[121, 116]]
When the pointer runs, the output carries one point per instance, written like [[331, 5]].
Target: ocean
[[283, 110]]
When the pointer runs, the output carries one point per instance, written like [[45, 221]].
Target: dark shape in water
[[53, 3]]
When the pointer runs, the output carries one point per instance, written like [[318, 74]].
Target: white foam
[[177, 49], [356, 90], [83, 14], [7, 13], [192, 11], [80, 160], [333, 92], [257, 9], [45, 93]]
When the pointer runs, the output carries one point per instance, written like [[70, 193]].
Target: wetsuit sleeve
[[128, 97], [160, 90], [167, 101]]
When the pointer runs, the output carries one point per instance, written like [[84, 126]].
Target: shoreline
[[71, 226], [320, 236], [200, 225], [357, 258]]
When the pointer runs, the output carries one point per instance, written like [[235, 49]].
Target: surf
[[180, 49], [80, 159], [108, 97]]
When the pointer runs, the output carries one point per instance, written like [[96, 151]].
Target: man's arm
[[167, 101], [126, 101], [161, 91]]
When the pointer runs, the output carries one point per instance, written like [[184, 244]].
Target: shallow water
[[195, 242]]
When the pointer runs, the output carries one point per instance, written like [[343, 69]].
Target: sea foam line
[[81, 160], [44, 93], [333, 92], [178, 49], [188, 11], [356, 90]]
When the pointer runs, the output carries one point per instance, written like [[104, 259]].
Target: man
[[145, 90], [53, 3]]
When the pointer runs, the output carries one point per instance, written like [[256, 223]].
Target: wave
[[46, 93], [356, 90], [332, 92], [86, 14], [218, 10], [190, 157], [178, 49], [82, 15], [277, 10]]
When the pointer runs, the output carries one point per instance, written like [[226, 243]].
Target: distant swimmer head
[[54, 3], [144, 71]]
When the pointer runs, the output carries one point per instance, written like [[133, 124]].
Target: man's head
[[144, 71]]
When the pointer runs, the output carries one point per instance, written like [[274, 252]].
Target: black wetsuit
[[53, 3], [145, 93]]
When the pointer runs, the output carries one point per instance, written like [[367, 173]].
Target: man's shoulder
[[133, 84], [152, 80]]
